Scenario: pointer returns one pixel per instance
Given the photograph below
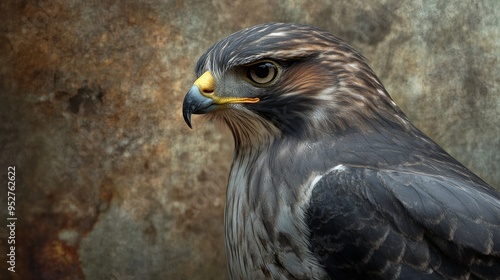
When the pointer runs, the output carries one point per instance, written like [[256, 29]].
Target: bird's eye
[[263, 72]]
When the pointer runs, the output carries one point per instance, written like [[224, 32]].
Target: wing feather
[[388, 224]]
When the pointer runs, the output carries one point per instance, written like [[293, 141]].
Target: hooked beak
[[196, 103], [202, 99]]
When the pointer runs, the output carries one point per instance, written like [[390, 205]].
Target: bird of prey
[[330, 180]]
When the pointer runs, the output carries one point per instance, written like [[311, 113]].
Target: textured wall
[[111, 184]]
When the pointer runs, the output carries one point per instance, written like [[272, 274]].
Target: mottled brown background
[[111, 184]]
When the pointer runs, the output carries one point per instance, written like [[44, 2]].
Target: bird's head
[[287, 79]]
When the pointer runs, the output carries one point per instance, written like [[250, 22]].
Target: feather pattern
[[330, 180]]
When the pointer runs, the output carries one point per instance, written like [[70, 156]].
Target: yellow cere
[[206, 84]]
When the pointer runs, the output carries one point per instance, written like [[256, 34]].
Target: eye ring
[[263, 72]]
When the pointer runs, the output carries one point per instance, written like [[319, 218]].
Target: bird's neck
[[250, 132]]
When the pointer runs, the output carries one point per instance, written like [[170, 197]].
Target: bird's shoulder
[[388, 222]]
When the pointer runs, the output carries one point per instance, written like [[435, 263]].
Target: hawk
[[330, 180]]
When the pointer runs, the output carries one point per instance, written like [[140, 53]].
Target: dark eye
[[263, 72]]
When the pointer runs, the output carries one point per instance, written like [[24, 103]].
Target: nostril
[[208, 91]]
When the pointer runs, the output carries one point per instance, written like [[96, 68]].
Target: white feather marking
[[354, 66], [277, 34], [339, 167], [315, 181]]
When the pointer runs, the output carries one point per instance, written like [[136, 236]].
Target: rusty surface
[[111, 184]]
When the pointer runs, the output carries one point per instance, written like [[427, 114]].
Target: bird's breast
[[266, 235]]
